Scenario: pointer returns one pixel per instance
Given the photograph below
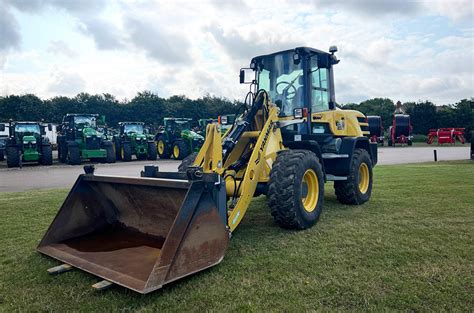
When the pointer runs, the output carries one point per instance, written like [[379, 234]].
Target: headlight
[[25, 142], [88, 136], [33, 142]]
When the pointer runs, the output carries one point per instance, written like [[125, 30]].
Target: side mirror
[[242, 76], [296, 58], [50, 127], [2, 127]]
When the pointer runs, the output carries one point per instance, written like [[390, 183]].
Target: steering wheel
[[288, 91]]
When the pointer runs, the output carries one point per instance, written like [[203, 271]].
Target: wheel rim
[[176, 151], [311, 199], [363, 178], [161, 147]]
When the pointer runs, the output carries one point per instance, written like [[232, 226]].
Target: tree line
[[150, 108], [145, 107]]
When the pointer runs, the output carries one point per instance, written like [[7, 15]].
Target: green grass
[[409, 248]]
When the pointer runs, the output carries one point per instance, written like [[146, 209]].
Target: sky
[[404, 50]]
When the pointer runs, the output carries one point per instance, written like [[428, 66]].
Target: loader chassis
[[287, 143]]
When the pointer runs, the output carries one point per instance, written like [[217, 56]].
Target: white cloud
[[67, 84], [195, 48]]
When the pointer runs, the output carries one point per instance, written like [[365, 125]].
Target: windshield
[[27, 128], [283, 80], [135, 128], [84, 121], [180, 125]]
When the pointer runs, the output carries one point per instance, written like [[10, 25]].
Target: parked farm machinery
[[27, 143], [376, 129], [446, 135], [177, 139], [133, 139], [401, 130]]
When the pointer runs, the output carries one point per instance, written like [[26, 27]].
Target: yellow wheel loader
[[144, 232]]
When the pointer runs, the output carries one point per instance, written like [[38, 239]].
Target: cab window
[[319, 88]]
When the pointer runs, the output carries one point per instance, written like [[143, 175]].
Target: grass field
[[410, 248]]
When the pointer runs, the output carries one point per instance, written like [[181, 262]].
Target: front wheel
[[162, 148], [152, 151], [110, 152], [358, 186], [13, 156], [46, 155], [73, 154], [126, 154], [296, 189], [2, 155], [180, 150]]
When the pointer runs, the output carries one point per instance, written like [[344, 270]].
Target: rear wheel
[[390, 143], [2, 155], [162, 148], [13, 156], [46, 155], [296, 189], [126, 152], [73, 154], [152, 153], [62, 152], [358, 186], [410, 142], [110, 153], [187, 162], [180, 149]]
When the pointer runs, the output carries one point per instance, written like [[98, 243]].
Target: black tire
[[62, 151], [285, 192], [410, 142], [13, 156], [110, 152], [390, 143], [46, 155], [126, 152], [118, 150], [2, 155], [348, 191], [165, 153], [152, 152], [73, 154], [187, 162], [183, 149]]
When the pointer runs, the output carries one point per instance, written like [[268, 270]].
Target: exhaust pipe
[[141, 233]]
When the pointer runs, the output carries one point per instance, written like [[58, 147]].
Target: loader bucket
[[141, 233]]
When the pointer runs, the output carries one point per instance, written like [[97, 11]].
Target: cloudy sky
[[404, 50]]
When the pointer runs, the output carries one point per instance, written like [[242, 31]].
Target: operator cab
[[297, 78]]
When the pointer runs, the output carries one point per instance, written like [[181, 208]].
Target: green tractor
[[202, 123], [177, 139], [226, 122], [79, 138], [26, 143], [134, 139]]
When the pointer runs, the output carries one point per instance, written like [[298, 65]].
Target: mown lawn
[[410, 248]]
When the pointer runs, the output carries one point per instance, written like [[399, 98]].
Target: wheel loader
[[133, 139], [27, 143], [80, 138], [144, 232]]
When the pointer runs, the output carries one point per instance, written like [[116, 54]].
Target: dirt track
[[63, 176]]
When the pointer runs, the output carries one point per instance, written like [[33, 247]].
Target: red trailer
[[446, 135], [400, 131]]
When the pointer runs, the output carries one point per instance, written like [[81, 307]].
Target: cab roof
[[304, 50]]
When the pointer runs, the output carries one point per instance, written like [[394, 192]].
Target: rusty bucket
[[141, 233]]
